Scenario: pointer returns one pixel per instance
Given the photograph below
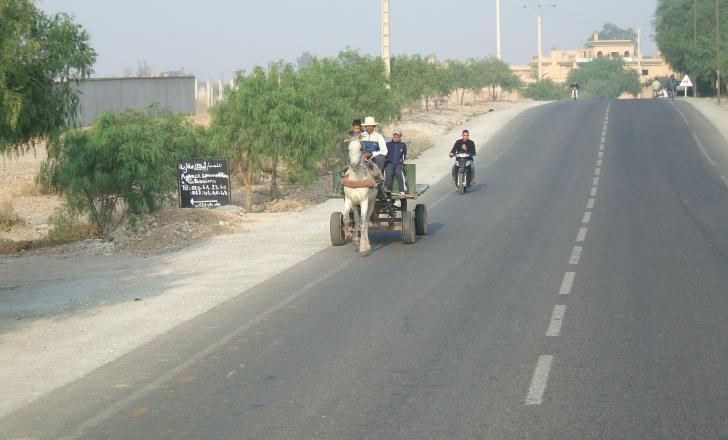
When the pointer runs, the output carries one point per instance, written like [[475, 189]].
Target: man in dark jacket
[[464, 145], [396, 155]]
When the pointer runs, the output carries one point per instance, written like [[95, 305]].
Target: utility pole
[[498, 29], [695, 43], [538, 25], [717, 46], [385, 37], [639, 58]]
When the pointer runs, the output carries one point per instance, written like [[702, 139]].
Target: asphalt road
[[580, 292]]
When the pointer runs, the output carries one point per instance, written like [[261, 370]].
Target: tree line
[[685, 31]]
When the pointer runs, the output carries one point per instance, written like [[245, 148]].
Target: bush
[[126, 162], [8, 216], [605, 78], [546, 90]]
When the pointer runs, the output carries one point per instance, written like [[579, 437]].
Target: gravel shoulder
[[64, 315]]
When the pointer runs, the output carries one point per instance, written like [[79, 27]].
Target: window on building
[[600, 54], [645, 72], [626, 54]]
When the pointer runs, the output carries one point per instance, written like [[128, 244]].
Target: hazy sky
[[220, 37]]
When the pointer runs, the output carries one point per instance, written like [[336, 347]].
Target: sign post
[[203, 183], [686, 83]]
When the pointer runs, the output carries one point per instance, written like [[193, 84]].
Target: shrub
[[126, 162], [8, 216], [546, 90]]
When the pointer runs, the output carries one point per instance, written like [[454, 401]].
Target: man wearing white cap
[[374, 143]]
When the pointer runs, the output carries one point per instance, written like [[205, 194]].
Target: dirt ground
[[25, 213]]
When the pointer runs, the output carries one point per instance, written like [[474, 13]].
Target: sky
[[218, 37]]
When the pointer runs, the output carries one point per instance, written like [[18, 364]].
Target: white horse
[[363, 197]]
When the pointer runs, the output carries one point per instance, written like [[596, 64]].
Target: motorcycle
[[463, 161]]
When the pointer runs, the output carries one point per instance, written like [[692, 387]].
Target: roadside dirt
[[25, 213]]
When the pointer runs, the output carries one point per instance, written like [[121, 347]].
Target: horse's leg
[[366, 211], [357, 225]]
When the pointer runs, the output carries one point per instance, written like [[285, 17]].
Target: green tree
[[545, 90], [125, 162], [611, 31], [41, 57], [605, 78], [689, 51]]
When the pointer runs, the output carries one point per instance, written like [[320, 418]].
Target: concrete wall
[[100, 94]]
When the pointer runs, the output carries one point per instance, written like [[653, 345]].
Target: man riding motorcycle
[[464, 145], [672, 86]]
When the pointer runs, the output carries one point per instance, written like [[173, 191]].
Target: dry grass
[[417, 145], [29, 189], [8, 216]]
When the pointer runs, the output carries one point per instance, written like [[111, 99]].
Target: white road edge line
[[567, 283], [557, 318], [682, 116], [581, 235], [575, 255], [587, 218], [539, 380], [702, 149], [104, 415], [590, 203], [724, 180]]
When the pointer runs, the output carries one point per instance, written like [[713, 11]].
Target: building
[[559, 63]]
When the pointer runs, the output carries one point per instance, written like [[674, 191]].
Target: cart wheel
[[336, 228], [421, 219], [408, 228]]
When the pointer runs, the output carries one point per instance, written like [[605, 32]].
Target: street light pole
[[498, 29], [717, 46], [385, 37], [538, 25], [639, 58]]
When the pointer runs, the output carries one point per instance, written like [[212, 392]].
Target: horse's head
[[355, 152]]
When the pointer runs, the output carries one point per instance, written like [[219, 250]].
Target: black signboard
[[203, 183]]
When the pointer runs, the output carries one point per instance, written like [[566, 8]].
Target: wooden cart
[[391, 213]]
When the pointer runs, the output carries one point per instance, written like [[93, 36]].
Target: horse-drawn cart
[[391, 213]]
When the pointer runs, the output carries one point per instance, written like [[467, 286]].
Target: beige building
[[557, 64]]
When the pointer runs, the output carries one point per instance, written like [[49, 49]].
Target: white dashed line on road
[[593, 192], [587, 218], [575, 255], [557, 318], [601, 147], [595, 182], [599, 162], [702, 149], [567, 283], [590, 204], [539, 380], [601, 154], [597, 171], [581, 235], [604, 139]]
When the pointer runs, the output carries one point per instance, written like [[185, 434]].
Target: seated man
[[374, 143], [396, 155], [464, 145]]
